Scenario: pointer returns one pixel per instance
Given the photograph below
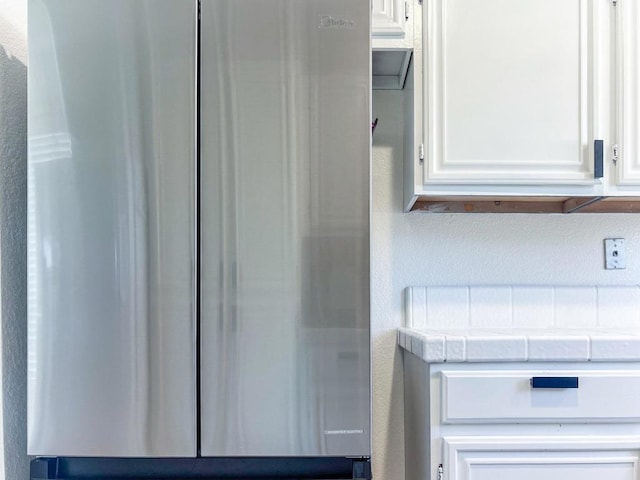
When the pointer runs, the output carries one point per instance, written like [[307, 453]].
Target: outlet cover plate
[[614, 254]]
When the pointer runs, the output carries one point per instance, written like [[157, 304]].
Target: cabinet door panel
[[387, 18], [511, 91], [628, 171], [534, 458], [565, 469]]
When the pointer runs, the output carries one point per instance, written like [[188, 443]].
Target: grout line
[[426, 310], [408, 308], [511, 305], [554, 307], [469, 323], [426, 306], [598, 312]]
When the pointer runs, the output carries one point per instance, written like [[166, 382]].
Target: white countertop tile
[[434, 349], [553, 348], [456, 348], [496, 348], [505, 345], [558, 323], [610, 348]]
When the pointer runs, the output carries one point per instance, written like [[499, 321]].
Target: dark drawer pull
[[554, 382]]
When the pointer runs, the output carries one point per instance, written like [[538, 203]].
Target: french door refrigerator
[[198, 238]]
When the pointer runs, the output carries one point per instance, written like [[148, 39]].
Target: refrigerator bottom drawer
[[76, 468]]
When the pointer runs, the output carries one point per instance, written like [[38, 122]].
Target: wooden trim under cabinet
[[527, 205]]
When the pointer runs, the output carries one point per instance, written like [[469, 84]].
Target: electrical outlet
[[614, 254]]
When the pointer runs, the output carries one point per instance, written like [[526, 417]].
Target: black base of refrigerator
[[263, 468]]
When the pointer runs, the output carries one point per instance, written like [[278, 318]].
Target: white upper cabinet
[[392, 30], [627, 166], [522, 106], [511, 91], [388, 18], [524, 101]]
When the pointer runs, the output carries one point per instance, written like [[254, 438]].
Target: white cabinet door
[[628, 165], [392, 41], [512, 91], [536, 458], [388, 18]]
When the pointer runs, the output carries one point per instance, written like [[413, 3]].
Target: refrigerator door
[[285, 154], [111, 248]]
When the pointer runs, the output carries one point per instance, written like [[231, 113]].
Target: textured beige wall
[[13, 201]]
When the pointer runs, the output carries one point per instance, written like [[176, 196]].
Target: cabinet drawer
[[509, 397]]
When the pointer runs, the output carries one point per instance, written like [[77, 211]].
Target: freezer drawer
[[285, 227], [111, 175]]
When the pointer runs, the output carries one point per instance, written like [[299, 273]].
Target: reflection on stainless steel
[[111, 222], [285, 138], [285, 243]]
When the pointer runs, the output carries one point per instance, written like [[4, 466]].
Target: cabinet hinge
[[440, 472], [615, 2], [420, 2], [615, 153], [406, 10], [421, 153]]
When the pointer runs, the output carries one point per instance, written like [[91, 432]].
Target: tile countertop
[[522, 345]]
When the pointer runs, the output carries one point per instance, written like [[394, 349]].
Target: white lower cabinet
[[540, 458], [522, 421]]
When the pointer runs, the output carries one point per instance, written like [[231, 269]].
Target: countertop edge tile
[[499, 349], [434, 349], [615, 348], [559, 348], [460, 346]]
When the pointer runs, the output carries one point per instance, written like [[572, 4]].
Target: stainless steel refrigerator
[[198, 234]]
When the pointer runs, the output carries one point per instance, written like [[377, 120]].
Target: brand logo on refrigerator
[[327, 21]]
